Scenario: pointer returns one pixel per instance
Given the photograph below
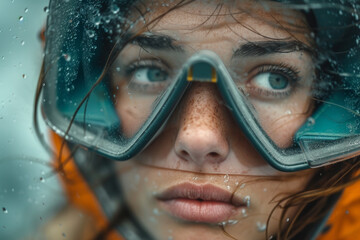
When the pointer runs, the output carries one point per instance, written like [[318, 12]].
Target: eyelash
[[146, 63]]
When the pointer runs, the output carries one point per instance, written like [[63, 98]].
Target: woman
[[222, 109]]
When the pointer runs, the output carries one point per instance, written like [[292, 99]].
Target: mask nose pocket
[[202, 72]]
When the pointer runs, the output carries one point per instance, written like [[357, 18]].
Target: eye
[[147, 77], [271, 81], [150, 74]]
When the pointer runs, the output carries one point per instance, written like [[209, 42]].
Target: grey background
[[26, 202]]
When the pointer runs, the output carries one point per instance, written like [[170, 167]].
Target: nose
[[201, 137]]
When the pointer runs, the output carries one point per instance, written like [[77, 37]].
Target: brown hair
[[311, 203]]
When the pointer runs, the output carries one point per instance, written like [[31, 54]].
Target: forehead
[[248, 20]]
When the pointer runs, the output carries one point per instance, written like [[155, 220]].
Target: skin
[[201, 143]]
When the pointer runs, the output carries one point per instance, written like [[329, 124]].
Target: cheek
[[132, 112], [281, 121]]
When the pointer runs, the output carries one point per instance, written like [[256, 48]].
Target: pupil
[[156, 75], [278, 81]]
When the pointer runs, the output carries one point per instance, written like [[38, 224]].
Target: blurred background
[[29, 193]]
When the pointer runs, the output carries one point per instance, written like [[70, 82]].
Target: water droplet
[[26, 10], [242, 185], [67, 57], [247, 201], [24, 76], [22, 43], [3, 57], [243, 212], [261, 227], [232, 222], [21, 18], [310, 121], [265, 189], [114, 8], [118, 69], [63, 234], [97, 20], [226, 178], [5, 210], [90, 33], [288, 112], [288, 220], [195, 178], [156, 211], [228, 187], [46, 9], [42, 179]]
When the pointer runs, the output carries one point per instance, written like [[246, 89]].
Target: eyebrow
[[262, 48], [158, 42]]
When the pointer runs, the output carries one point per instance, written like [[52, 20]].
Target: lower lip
[[200, 211]]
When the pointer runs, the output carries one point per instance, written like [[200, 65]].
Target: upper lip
[[207, 192]]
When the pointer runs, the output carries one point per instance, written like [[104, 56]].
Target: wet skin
[[201, 172]]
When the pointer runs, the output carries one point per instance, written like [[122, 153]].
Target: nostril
[[213, 155], [185, 154]]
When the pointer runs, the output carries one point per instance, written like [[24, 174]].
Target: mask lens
[[116, 92]]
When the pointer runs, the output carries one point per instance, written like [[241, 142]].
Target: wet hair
[[312, 202]]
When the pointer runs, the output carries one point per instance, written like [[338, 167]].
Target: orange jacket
[[344, 221]]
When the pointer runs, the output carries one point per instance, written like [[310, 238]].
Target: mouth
[[200, 203]]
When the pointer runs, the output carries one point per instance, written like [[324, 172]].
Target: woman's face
[[203, 184]]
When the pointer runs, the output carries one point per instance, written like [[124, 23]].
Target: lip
[[200, 203]]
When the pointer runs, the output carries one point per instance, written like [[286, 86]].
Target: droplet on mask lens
[[67, 57], [242, 185], [261, 227], [21, 18], [114, 8], [118, 69], [42, 179], [24, 76], [22, 43], [26, 10], [63, 234], [228, 187], [46, 9], [5, 210], [288, 112], [90, 33], [97, 20], [288, 220], [310, 121], [247, 201]]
